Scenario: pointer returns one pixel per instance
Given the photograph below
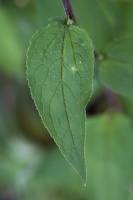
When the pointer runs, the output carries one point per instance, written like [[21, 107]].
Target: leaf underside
[[59, 72]]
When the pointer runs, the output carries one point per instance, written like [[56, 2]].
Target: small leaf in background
[[116, 71], [110, 157], [59, 71]]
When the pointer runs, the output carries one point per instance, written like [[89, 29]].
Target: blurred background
[[31, 166]]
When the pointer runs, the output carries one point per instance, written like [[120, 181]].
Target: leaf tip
[[84, 177]]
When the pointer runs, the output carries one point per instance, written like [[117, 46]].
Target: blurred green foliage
[[31, 166]]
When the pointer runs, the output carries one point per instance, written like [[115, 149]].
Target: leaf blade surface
[[59, 71]]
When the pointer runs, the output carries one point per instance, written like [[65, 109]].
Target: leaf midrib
[[63, 92]]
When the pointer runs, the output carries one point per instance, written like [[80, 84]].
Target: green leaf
[[59, 71], [116, 71], [109, 156]]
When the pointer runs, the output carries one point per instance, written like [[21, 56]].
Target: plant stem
[[68, 10]]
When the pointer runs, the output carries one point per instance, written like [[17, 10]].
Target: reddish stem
[[68, 10]]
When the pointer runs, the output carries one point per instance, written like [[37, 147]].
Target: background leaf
[[110, 157], [116, 71]]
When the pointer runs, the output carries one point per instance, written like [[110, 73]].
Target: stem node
[[68, 10]]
